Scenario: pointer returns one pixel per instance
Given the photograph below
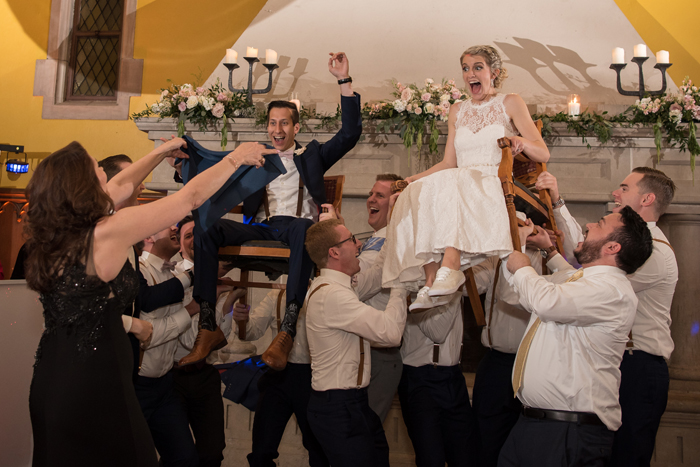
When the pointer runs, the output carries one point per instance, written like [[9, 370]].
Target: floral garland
[[204, 107], [414, 109]]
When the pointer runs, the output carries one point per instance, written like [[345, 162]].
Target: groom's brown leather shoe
[[206, 342], [277, 353]]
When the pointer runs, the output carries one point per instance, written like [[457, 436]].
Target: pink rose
[[218, 110], [182, 106], [406, 94], [456, 94], [425, 97], [418, 111], [200, 90], [675, 106], [221, 97]]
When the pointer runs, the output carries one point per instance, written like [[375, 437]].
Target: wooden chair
[[518, 175], [271, 257]]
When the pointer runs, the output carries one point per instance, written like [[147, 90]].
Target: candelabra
[[618, 67], [249, 90]]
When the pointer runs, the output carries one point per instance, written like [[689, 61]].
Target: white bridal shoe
[[447, 281]]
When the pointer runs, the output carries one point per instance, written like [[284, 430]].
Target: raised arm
[[450, 159], [530, 141], [115, 234]]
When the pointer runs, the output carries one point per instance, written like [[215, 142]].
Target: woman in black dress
[[82, 403]]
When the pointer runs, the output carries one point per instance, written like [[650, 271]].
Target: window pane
[[100, 15], [96, 66]]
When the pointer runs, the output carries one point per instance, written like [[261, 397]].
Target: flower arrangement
[[199, 105], [414, 108], [676, 115]]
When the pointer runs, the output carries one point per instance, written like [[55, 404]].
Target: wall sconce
[[15, 166]]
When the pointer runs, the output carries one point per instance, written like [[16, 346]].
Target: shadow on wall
[[539, 59]]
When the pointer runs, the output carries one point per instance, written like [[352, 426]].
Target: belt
[[583, 418]]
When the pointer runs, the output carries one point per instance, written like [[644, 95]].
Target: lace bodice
[[477, 129], [80, 304]]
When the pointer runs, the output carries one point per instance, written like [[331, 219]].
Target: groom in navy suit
[[282, 211]]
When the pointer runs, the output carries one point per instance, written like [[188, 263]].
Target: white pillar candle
[[270, 56], [640, 50], [297, 103], [574, 107], [251, 52], [662, 56], [231, 56], [618, 55]]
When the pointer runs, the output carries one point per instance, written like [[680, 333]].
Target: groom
[[282, 211]]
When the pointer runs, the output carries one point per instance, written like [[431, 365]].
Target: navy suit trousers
[[350, 433], [283, 393], [286, 229], [495, 408], [643, 397], [439, 419]]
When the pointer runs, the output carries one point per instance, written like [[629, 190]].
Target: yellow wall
[[174, 37], [669, 25]]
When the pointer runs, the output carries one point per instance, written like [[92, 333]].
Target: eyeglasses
[[351, 237]]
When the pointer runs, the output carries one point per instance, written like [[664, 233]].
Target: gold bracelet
[[236, 164]]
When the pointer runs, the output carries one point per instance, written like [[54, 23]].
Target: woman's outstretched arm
[[530, 141]]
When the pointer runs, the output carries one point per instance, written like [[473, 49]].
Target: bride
[[453, 215]]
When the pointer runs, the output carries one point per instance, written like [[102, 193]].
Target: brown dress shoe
[[277, 353], [206, 342]]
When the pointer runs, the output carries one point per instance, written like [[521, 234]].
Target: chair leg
[[473, 293]]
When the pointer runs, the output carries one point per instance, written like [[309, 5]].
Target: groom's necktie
[[524, 348], [373, 243]]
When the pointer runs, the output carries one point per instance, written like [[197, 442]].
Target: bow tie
[[168, 265], [288, 154]]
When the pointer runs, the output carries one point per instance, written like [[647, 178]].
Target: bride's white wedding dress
[[463, 208]]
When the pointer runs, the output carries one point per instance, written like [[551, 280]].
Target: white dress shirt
[[654, 283], [283, 196], [506, 325], [184, 265], [335, 321], [265, 315], [187, 338], [168, 321], [441, 325], [574, 359], [368, 257]]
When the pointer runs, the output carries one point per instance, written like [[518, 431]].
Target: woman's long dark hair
[[65, 202]]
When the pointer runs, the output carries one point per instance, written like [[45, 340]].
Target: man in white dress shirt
[[433, 392], [339, 330], [645, 378], [162, 408], [386, 361], [566, 371], [495, 407]]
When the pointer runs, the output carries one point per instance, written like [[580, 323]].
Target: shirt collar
[[337, 277], [380, 233], [651, 224], [153, 260], [603, 269]]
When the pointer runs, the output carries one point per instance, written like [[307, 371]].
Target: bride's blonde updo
[[493, 59]]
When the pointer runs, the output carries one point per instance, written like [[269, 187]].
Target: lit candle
[[574, 106], [270, 56], [297, 103], [662, 56], [618, 55], [640, 50], [251, 52], [231, 56]]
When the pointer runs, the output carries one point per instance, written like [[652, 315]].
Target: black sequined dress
[[82, 402]]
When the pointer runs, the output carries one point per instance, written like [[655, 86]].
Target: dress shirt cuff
[[558, 263], [127, 321], [182, 319], [184, 277]]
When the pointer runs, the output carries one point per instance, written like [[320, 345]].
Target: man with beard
[[566, 371], [645, 378]]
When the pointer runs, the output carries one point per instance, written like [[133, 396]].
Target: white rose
[[429, 107], [399, 105], [155, 108], [192, 102], [428, 82], [444, 98], [207, 102]]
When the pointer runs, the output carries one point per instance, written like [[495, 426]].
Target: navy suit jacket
[[319, 157]]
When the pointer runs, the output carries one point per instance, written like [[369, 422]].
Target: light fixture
[[15, 165]]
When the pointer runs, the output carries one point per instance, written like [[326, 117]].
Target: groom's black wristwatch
[[345, 80]]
